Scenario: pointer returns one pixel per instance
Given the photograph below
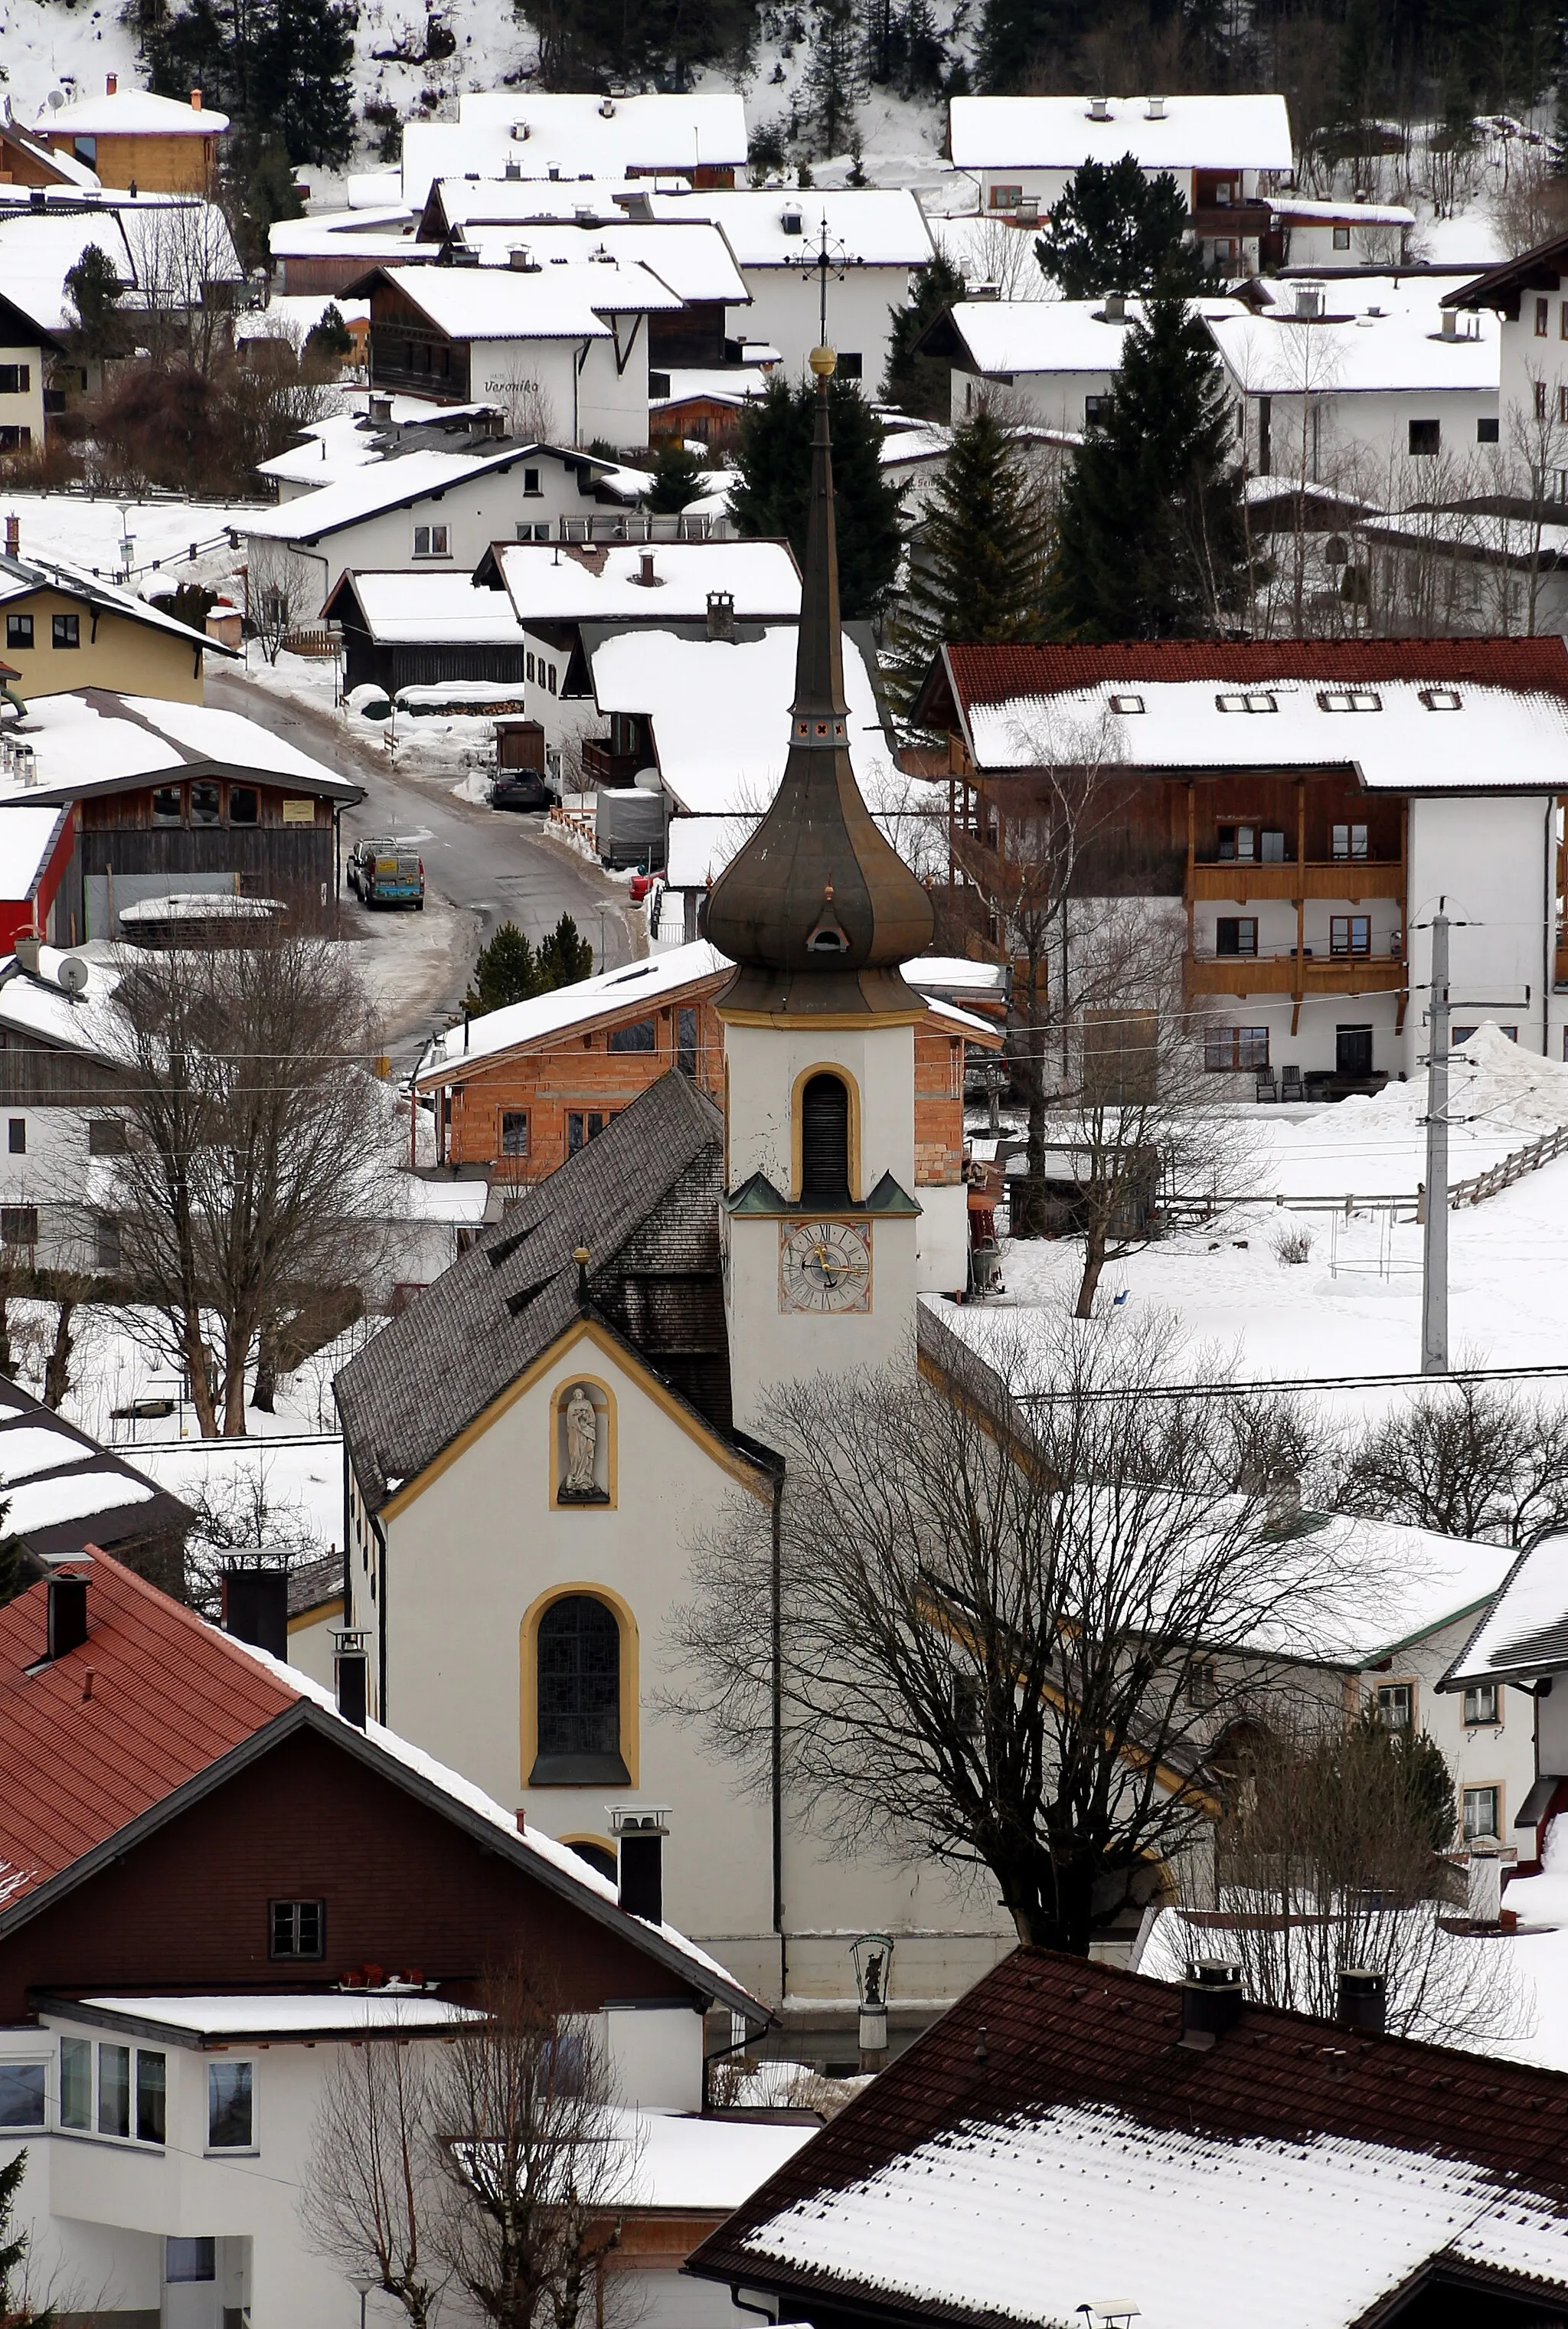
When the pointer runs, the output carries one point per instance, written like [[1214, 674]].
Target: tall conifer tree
[[978, 574], [773, 485], [1151, 542]]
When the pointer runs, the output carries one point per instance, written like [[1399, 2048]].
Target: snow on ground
[[300, 1481], [1353, 1306], [88, 529]]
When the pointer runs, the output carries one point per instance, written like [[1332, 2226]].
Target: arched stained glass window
[[578, 1654]]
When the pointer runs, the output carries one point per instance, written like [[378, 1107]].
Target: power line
[[1288, 1382]]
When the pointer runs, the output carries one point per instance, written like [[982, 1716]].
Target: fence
[[1511, 1168]]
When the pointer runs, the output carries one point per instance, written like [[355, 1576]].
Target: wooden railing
[[1290, 973], [1509, 1169], [1351, 879]]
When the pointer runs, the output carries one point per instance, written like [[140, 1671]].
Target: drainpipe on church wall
[[777, 1747]]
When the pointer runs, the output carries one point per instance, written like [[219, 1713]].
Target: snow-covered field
[[88, 529]]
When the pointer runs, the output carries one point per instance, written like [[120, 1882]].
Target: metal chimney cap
[[639, 1819]]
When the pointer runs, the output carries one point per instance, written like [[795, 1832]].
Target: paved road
[[490, 868]]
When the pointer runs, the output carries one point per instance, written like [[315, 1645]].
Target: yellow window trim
[[325, 1613], [528, 1655], [797, 1097]]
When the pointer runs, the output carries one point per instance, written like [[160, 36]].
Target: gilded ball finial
[[823, 361]]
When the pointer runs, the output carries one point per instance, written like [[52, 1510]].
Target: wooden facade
[[1311, 834], [522, 1112], [156, 162], [288, 848], [407, 351]]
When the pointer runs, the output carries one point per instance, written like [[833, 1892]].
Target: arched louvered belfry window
[[579, 1694], [825, 1141]]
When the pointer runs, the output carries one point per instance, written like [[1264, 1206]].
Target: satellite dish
[[56, 100], [73, 974]]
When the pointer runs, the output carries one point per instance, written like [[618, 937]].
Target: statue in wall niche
[[581, 1483]]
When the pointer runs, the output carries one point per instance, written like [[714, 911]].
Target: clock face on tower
[[824, 1266]]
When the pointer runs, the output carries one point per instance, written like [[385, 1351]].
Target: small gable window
[[579, 1677], [639, 1035], [825, 1141], [297, 1928]]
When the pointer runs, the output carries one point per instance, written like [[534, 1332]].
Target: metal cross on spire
[[830, 257]]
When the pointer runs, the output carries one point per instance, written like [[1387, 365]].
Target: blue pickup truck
[[386, 872]]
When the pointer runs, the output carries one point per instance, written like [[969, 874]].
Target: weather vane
[[829, 258]]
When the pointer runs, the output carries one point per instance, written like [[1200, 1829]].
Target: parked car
[[519, 788], [386, 872]]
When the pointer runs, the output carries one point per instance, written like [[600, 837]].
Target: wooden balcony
[[1349, 880], [1297, 974], [603, 767]]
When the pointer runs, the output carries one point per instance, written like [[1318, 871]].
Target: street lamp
[[364, 2283]]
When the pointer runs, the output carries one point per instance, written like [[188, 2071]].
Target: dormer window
[[827, 933], [1441, 699], [1246, 703], [1349, 699]]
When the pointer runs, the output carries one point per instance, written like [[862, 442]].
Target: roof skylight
[[1441, 699], [1350, 698], [1127, 703], [1246, 703]]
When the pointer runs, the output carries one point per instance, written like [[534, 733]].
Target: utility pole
[[1434, 1251]]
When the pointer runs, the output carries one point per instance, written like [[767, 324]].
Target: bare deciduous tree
[[257, 1143], [237, 1516], [276, 593], [1330, 1857], [1469, 1459], [536, 2165], [371, 2196], [1018, 1605]]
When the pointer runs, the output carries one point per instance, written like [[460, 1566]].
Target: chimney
[[1485, 1882], [1115, 306], [112, 85], [1451, 324], [351, 1673], [1308, 302], [67, 1615], [1099, 108], [381, 410], [721, 614], [1156, 110], [641, 1830], [1363, 1998], [195, 100], [256, 1608], [12, 536], [608, 108], [521, 260], [647, 576], [1211, 1998]]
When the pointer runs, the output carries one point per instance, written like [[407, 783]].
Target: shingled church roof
[[643, 1197]]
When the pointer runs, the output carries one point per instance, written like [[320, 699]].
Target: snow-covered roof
[[23, 575], [1042, 335], [92, 738], [562, 582], [575, 136], [728, 384], [1418, 738], [1524, 1633], [654, 980], [366, 491], [153, 242], [132, 113], [720, 712], [399, 607], [689, 257], [1355, 349], [1058, 133], [567, 301], [27, 838], [40, 1008], [332, 2013], [340, 234], [1344, 213], [33, 1506], [698, 2166], [1020, 2220], [869, 226], [73, 172]]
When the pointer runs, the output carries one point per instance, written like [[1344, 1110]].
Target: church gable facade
[[540, 1443]]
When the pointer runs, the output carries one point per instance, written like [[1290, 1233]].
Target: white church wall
[[655, 2055]]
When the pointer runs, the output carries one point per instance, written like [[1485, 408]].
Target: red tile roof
[[1045, 2032], [996, 675], [170, 1696]]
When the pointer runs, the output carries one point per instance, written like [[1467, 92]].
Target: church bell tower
[[819, 914]]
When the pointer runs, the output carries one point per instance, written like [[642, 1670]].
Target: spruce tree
[[94, 287], [1114, 230], [1150, 538], [328, 340], [921, 384], [677, 477], [14, 2247], [564, 956], [281, 68], [978, 574], [505, 971], [773, 485]]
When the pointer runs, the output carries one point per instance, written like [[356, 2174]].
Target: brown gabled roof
[[962, 676], [1541, 268], [1044, 2033]]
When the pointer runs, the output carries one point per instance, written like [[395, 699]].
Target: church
[[536, 1445]]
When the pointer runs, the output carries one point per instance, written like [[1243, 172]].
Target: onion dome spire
[[818, 910]]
